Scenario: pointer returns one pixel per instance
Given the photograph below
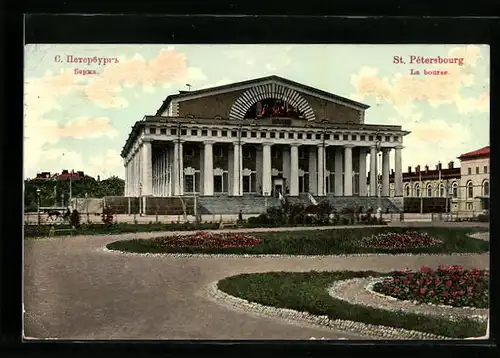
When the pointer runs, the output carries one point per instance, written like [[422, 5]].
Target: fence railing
[[96, 218]]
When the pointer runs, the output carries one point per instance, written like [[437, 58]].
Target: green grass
[[321, 242], [307, 291]]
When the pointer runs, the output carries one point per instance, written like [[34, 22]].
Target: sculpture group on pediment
[[273, 108]]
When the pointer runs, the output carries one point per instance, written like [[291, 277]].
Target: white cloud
[[434, 138]]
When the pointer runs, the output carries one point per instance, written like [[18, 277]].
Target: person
[[240, 216]]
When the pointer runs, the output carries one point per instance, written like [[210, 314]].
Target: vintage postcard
[[256, 192]]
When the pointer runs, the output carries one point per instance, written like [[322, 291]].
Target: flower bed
[[453, 285], [409, 239], [207, 240]]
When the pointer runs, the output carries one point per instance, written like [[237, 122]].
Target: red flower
[[422, 291], [425, 269], [448, 284]]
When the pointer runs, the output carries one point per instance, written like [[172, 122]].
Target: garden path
[[75, 290]]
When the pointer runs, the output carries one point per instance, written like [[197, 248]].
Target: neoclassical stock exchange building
[[247, 144]]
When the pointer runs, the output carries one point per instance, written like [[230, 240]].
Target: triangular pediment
[[275, 86]]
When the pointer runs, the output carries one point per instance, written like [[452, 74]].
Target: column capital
[[238, 143], [146, 140], [398, 147], [209, 142], [267, 144], [348, 146], [386, 150]]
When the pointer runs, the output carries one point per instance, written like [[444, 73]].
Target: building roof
[[483, 152], [255, 81]]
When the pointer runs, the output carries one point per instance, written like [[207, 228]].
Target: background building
[[475, 181]]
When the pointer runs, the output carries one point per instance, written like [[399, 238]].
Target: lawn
[[320, 242], [307, 292]]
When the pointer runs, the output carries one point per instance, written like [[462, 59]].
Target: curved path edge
[[360, 291], [380, 332]]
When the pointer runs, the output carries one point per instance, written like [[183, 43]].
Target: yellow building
[[475, 181]]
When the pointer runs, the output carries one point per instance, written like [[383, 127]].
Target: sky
[[78, 115]]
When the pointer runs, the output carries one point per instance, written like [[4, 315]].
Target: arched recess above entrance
[[270, 91]]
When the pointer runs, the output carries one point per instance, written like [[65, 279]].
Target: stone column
[[362, 172], [348, 170], [127, 180], [230, 171], [385, 171], [266, 169], [258, 164], [134, 174], [286, 167], [236, 168], [339, 169], [321, 170], [294, 170], [373, 172], [178, 168], [208, 169], [147, 167], [313, 171], [398, 172]]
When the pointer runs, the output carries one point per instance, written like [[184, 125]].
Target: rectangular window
[[234, 134], [485, 169], [354, 137], [194, 132], [290, 135], [387, 138], [244, 134], [253, 134], [152, 130], [299, 135], [204, 133], [214, 133], [477, 170], [370, 137], [273, 134], [327, 136], [246, 183], [263, 134], [469, 171], [163, 131], [282, 135], [318, 136], [189, 183], [308, 136], [224, 133], [345, 137], [335, 137], [183, 132], [362, 137], [217, 183], [173, 131]]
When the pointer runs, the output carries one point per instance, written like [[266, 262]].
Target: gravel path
[[75, 290]]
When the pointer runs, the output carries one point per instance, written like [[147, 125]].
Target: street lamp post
[[38, 204]]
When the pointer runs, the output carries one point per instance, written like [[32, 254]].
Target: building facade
[[260, 137], [430, 183], [475, 180]]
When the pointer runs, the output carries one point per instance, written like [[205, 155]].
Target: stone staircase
[[231, 205], [302, 199], [354, 202]]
